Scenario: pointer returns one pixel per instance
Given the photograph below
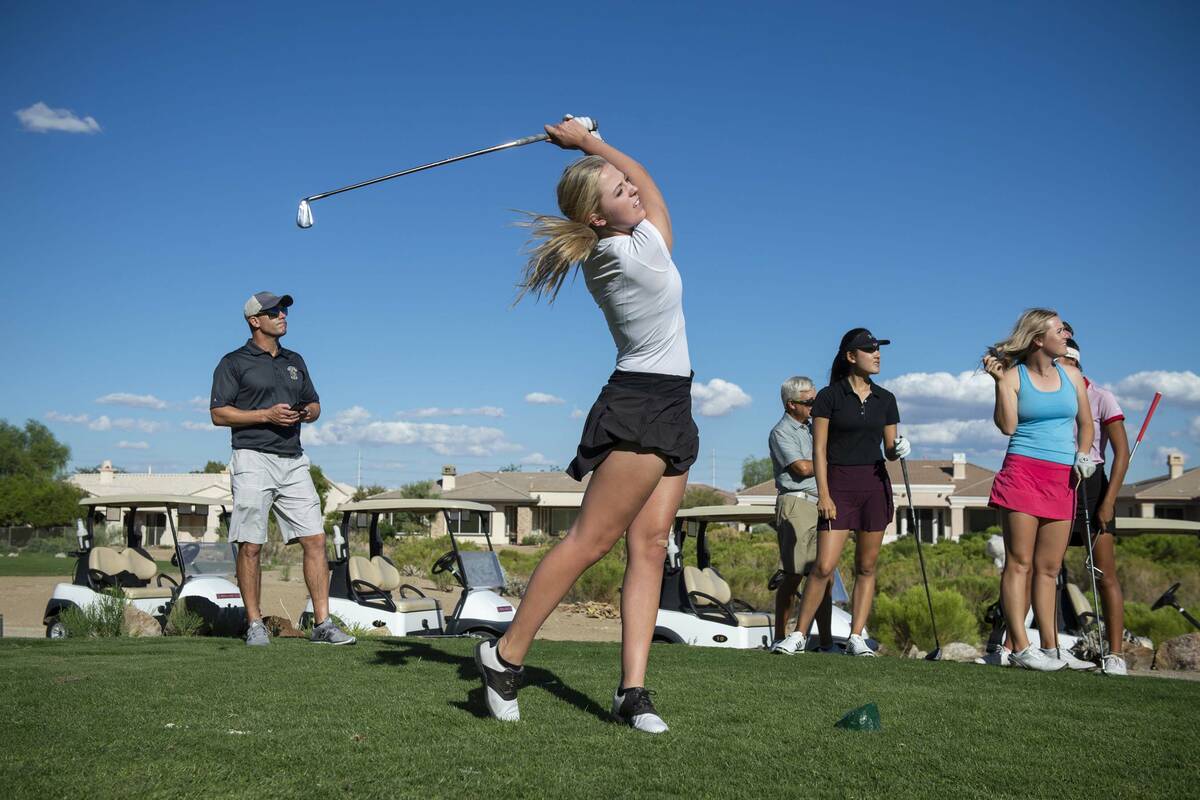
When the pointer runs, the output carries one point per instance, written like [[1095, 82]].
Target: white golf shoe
[[857, 646], [1035, 659], [996, 656], [1067, 656], [635, 708], [1114, 664], [790, 645], [500, 683]]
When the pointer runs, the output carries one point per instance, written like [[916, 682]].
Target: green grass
[[399, 718], [29, 565]]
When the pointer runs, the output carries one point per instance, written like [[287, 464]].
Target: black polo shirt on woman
[[249, 378], [855, 427]]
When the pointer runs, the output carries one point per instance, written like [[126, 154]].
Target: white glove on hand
[[586, 122], [1084, 466], [903, 448]]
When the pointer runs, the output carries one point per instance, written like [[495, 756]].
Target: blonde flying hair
[[559, 243], [1019, 344]]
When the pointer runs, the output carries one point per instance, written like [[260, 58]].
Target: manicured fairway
[[33, 564], [402, 718]]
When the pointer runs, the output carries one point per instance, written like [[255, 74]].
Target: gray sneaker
[[257, 635], [328, 633]]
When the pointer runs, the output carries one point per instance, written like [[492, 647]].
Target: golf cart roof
[[417, 505], [1141, 525], [154, 501], [747, 514]]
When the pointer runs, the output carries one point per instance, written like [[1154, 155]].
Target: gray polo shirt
[[249, 378], [791, 441]]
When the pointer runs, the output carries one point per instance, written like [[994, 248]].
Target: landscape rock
[[282, 628], [593, 610], [1138, 657], [60, 555], [13, 555], [960, 651], [914, 652], [1181, 654], [139, 623]]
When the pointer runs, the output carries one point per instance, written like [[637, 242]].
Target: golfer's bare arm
[[1118, 441], [1005, 415], [801, 469], [889, 442], [651, 196], [825, 503], [279, 414], [1085, 426]]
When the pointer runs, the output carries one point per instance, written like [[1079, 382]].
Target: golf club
[[304, 216], [1168, 599], [1090, 566], [936, 653], [1145, 424]]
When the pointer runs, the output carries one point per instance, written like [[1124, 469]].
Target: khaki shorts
[[796, 527], [262, 482]]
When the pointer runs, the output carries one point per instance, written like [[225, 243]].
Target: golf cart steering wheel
[[189, 551], [443, 564]]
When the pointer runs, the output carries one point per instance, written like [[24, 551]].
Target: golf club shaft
[[912, 515], [1091, 568], [1145, 424], [1188, 616], [540, 137]]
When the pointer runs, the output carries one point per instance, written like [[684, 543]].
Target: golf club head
[[934, 655], [304, 217], [1167, 599]]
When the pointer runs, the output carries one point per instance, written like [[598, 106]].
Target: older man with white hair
[[790, 444]]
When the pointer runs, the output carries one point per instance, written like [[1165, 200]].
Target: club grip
[[1149, 414]]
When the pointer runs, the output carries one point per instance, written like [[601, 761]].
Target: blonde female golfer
[[639, 438]]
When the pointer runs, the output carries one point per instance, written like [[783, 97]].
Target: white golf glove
[[903, 448], [1084, 466], [587, 123]]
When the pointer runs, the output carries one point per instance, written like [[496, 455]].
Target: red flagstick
[[1145, 423]]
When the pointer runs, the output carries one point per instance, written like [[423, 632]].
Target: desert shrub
[[105, 617], [1160, 625], [535, 540], [601, 581], [181, 622], [901, 621]]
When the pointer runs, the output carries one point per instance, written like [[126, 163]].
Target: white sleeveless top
[[636, 285]]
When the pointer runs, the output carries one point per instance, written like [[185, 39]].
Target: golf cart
[[696, 606], [203, 586], [361, 587]]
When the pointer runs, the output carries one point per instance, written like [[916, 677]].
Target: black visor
[[866, 339]]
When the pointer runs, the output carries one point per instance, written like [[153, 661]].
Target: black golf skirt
[[1096, 486], [644, 412]]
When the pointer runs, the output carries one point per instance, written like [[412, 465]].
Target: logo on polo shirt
[[294, 373]]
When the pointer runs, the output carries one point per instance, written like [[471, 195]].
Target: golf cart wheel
[[662, 640], [483, 633], [306, 620], [56, 630]]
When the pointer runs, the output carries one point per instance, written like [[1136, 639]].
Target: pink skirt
[[1035, 487]]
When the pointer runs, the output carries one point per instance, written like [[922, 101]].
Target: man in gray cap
[[263, 391]]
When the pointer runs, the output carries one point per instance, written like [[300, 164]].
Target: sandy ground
[[23, 602]]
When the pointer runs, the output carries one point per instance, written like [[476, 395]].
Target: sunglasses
[[871, 348], [803, 402], [273, 313]]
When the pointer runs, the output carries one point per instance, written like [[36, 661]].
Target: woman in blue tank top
[[1043, 408]]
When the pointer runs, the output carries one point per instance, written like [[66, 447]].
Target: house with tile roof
[[1175, 495], [950, 498]]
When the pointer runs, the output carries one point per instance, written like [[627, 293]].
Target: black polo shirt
[[855, 427], [249, 378]]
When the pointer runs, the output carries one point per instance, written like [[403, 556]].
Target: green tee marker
[[863, 718]]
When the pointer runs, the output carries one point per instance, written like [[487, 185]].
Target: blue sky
[[927, 172]]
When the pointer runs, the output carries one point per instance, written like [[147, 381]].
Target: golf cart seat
[[109, 567], [376, 578], [709, 594]]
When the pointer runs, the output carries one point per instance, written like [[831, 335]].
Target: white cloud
[[101, 423], [1194, 428], [931, 396], [958, 432], [536, 459], [578, 413], [1161, 453], [131, 400], [1178, 388], [543, 399], [74, 419], [41, 118], [124, 445], [352, 416], [199, 402], [435, 411], [718, 397], [189, 425], [438, 437]]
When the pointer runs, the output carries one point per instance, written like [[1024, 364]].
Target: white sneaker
[[791, 644], [500, 683], [857, 646], [1114, 664], [635, 708], [1069, 657], [1034, 658], [996, 656]]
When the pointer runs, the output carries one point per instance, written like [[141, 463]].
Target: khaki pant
[[796, 528]]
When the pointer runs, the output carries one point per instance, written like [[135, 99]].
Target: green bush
[[105, 618], [181, 622], [1160, 625], [902, 621]]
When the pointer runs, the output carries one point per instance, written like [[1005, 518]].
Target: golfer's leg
[[619, 488], [1049, 549], [646, 549], [825, 617], [316, 575], [1112, 599], [866, 554], [252, 497], [298, 511], [249, 577], [1020, 532], [829, 550], [784, 597]]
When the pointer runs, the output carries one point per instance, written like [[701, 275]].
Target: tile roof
[[1164, 487]]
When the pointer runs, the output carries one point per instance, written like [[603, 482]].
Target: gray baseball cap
[[260, 301]]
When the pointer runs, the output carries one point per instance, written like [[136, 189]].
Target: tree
[[702, 496], [510, 468], [321, 483], [756, 470], [32, 463], [363, 492], [211, 468]]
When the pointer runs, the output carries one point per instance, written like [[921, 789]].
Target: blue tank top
[[1045, 420]]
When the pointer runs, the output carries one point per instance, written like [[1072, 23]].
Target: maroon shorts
[[863, 496]]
